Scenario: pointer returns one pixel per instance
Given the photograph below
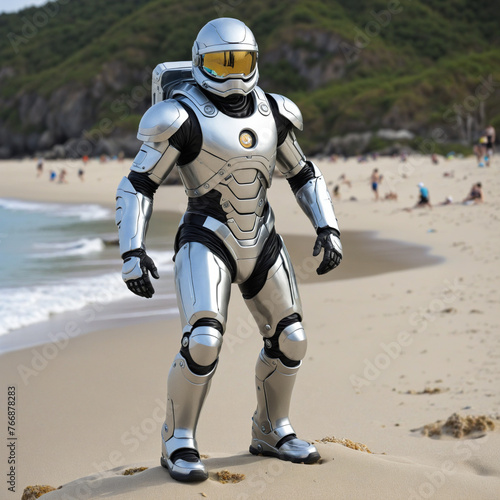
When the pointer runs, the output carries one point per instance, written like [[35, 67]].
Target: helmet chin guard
[[231, 67]]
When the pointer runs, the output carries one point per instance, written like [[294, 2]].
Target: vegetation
[[350, 65]]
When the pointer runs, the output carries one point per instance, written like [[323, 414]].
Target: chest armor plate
[[237, 159]]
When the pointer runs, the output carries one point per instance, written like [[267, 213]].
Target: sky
[[15, 5]]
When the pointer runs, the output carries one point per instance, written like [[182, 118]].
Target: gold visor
[[229, 62]]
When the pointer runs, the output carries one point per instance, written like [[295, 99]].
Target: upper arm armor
[[161, 121], [290, 159], [156, 156], [289, 110]]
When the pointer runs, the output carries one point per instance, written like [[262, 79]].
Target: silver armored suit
[[226, 148]]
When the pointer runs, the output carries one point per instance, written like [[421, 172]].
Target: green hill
[[73, 71]]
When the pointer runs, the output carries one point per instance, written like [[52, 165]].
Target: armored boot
[[186, 394], [272, 433]]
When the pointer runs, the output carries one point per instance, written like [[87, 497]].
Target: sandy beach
[[391, 348]]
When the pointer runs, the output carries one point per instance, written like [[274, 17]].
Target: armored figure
[[225, 136]]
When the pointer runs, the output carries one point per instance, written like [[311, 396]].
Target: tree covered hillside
[[80, 71]]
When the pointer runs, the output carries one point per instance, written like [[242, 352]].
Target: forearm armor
[[313, 197], [133, 211], [315, 201]]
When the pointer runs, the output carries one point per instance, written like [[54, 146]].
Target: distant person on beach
[[344, 180], [478, 151], [375, 181], [483, 143], [424, 200], [225, 136], [39, 167], [81, 174], [475, 195], [490, 141], [53, 176], [62, 176]]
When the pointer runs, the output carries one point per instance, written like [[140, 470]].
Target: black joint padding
[[212, 322], [254, 284], [302, 178], [285, 439], [271, 344], [143, 184]]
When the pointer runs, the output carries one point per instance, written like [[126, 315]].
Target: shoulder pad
[[161, 121], [289, 110]]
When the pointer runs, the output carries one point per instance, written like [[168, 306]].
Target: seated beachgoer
[[475, 195], [424, 200]]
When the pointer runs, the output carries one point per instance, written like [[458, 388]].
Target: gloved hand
[[329, 240], [136, 265]]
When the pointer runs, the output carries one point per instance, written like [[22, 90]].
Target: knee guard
[[289, 343], [201, 346]]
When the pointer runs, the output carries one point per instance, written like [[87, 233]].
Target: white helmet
[[225, 58]]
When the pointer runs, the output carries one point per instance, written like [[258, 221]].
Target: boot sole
[[310, 459], [193, 476]]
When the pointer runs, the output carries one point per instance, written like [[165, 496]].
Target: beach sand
[[388, 353]]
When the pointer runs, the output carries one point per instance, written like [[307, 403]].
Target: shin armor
[[186, 395], [272, 433]]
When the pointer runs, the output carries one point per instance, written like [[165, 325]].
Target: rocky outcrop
[[76, 119], [358, 142], [314, 55]]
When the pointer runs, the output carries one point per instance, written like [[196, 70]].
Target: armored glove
[[136, 265], [329, 240]]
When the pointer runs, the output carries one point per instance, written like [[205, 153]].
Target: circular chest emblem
[[247, 139]]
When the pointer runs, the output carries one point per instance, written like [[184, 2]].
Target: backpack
[[166, 76]]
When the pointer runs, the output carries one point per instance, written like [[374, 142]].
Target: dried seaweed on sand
[[33, 492], [347, 443], [459, 426], [224, 476]]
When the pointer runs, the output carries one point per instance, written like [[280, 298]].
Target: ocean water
[[57, 258]]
